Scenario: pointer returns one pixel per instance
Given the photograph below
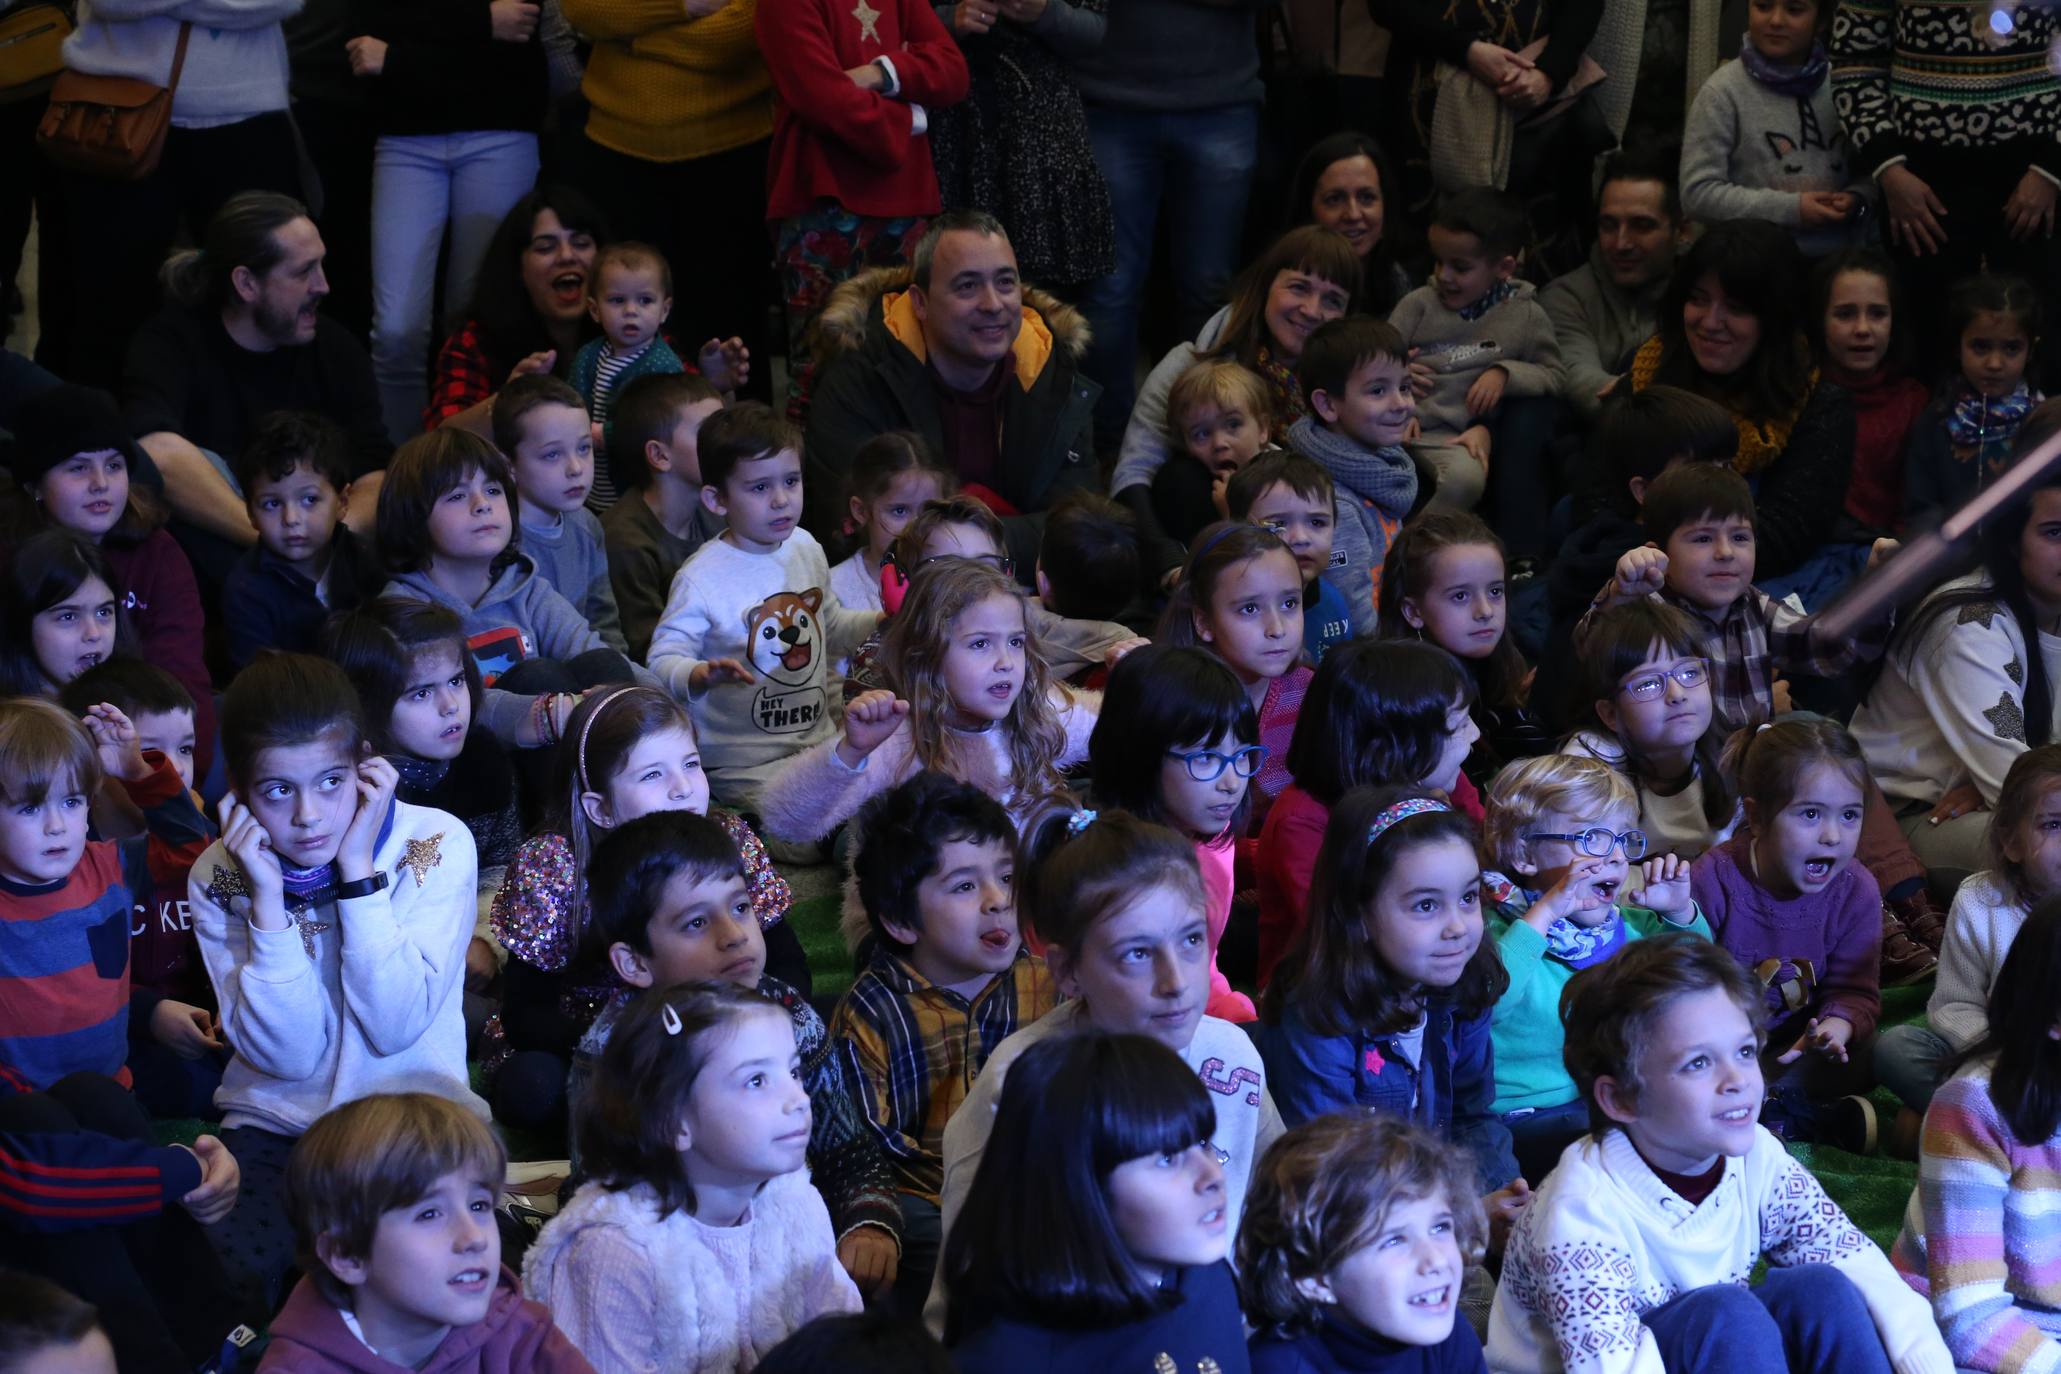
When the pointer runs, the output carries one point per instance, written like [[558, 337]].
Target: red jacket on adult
[[832, 140]]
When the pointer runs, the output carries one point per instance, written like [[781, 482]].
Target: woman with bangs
[[1732, 330], [1309, 277]]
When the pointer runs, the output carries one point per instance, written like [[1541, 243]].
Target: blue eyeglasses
[[1597, 842], [1207, 765]]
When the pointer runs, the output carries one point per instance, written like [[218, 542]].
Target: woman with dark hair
[[1308, 277], [1967, 684], [1732, 330], [1345, 184], [529, 307]]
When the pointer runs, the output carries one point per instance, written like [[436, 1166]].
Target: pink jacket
[[517, 1337]]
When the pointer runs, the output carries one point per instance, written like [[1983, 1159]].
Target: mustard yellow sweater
[[666, 88]]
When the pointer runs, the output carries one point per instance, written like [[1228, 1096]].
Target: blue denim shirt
[[1450, 1092]]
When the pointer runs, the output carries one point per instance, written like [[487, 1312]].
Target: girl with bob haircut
[[1355, 1236], [970, 697], [1656, 729], [1118, 904], [1176, 744], [1383, 1003], [333, 919], [1382, 713], [1976, 1231], [1096, 1227], [61, 615], [630, 751], [697, 1238]]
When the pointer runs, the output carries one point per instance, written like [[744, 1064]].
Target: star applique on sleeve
[[422, 856], [1978, 613], [2007, 719], [225, 883]]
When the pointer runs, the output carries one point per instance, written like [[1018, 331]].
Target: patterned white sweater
[[1604, 1241]]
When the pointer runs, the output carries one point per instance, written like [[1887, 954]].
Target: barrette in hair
[[671, 1019], [1402, 811], [1079, 821]]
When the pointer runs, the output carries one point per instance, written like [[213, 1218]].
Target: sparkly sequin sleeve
[[770, 895], [534, 910]]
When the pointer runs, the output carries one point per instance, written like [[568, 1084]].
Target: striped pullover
[[1982, 1234], [64, 946], [73, 1180], [1909, 75]]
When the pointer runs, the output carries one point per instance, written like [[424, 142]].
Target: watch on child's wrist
[[361, 887]]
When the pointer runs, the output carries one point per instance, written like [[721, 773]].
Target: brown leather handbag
[[110, 126]]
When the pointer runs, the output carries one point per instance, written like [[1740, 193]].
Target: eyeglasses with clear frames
[[1690, 672], [1207, 765], [1597, 842]]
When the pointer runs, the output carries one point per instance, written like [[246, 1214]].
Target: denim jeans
[[1808, 1317], [1911, 1061], [1538, 1136], [1199, 164], [420, 184]]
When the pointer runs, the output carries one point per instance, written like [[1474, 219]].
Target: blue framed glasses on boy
[[1207, 765], [1597, 842], [1690, 672]]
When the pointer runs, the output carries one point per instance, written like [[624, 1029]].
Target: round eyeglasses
[[1597, 842], [1690, 672], [1207, 765]]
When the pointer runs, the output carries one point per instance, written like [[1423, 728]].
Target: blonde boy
[[1218, 419]]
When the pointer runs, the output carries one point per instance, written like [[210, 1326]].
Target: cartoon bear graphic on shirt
[[785, 642]]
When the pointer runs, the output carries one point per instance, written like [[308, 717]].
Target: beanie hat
[[53, 425]]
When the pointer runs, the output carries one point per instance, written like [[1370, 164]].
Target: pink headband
[[588, 728], [1402, 811]]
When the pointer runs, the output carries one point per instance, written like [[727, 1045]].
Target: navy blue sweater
[[1204, 1325], [1337, 1348]]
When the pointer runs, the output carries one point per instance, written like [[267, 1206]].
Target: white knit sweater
[[1980, 928], [358, 997], [235, 55], [640, 1295], [1604, 1240], [1950, 708]]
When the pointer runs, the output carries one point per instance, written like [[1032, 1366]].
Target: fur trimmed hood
[[1049, 323]]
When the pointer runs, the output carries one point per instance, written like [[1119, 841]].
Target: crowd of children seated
[[1338, 828]]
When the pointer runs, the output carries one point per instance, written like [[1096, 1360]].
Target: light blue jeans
[[422, 183]]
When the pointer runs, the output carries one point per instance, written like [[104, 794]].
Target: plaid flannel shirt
[[914, 1048], [460, 379], [1750, 642]]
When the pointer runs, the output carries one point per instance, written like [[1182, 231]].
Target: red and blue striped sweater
[[64, 947]]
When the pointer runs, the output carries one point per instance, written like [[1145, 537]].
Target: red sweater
[[1885, 406], [833, 141], [164, 606]]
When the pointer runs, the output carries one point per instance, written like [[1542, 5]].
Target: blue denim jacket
[[1311, 1074]]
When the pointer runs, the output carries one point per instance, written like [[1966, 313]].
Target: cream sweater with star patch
[[353, 997], [1950, 705]]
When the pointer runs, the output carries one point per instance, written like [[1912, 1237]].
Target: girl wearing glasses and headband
[[1564, 830], [1178, 743]]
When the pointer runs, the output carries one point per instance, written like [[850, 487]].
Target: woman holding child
[[1732, 331]]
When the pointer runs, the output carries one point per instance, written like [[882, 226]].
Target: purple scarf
[[1781, 79]]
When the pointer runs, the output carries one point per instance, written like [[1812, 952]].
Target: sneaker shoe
[[1848, 1124], [1922, 918], [1904, 960]]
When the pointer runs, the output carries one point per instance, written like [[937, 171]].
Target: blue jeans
[[1911, 1061], [1809, 1317], [1200, 164], [1537, 1136], [420, 184]]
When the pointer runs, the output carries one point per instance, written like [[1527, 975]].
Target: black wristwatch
[[363, 887]]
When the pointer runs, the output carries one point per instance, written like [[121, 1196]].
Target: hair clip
[[1079, 821], [671, 1019], [1402, 811]]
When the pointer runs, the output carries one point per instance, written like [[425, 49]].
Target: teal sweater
[[1526, 1024]]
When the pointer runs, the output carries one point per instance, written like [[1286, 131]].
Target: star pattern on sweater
[[2006, 719], [225, 885], [1977, 613], [868, 18], [309, 928], [2015, 670], [422, 856]]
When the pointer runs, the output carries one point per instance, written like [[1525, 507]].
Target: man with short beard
[[1607, 307], [242, 338]]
